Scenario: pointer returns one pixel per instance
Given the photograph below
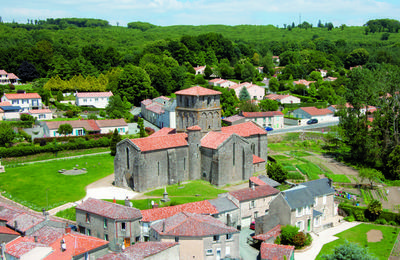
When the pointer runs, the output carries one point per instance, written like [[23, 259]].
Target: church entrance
[[131, 183]]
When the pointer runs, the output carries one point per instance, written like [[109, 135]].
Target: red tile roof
[[250, 194], [6, 230], [200, 207], [262, 114], [22, 96], [111, 123], [147, 102], [39, 111], [274, 232], [89, 125], [12, 76], [94, 94], [257, 181], [214, 139], [160, 142], [164, 131], [109, 209], [187, 224], [199, 68], [233, 118], [244, 129], [5, 103], [3, 72], [140, 251], [22, 245], [313, 111], [257, 159], [303, 81], [275, 252], [194, 128], [156, 108], [197, 91]]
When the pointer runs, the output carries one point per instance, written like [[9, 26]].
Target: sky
[[204, 12]]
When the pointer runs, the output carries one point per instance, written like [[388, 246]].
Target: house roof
[[257, 159], [152, 143], [214, 139], [256, 181], [197, 91], [3, 72], [139, 251], [303, 81], [262, 114], [244, 129], [22, 96], [22, 245], [5, 103], [269, 181], [147, 102], [109, 209], [12, 76], [111, 122], [89, 125], [298, 197], [313, 111], [8, 231], [279, 97], [25, 221], [316, 213], [164, 131], [223, 204], [319, 187], [194, 128], [233, 118], [250, 194], [93, 94], [39, 111], [200, 207], [187, 224], [274, 232], [156, 108], [10, 108], [275, 252], [199, 68]]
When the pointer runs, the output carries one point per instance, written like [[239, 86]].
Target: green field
[[358, 234], [39, 185]]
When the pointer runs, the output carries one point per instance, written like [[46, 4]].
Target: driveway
[[247, 251]]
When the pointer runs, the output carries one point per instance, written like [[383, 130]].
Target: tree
[[244, 94], [7, 134], [268, 105], [27, 72], [349, 251], [65, 129], [372, 175], [60, 96], [374, 209], [276, 172], [273, 84], [118, 108], [248, 72], [208, 72], [288, 232], [357, 57], [115, 139], [393, 164], [248, 106], [142, 131]]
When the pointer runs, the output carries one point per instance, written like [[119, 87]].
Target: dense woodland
[[144, 60]]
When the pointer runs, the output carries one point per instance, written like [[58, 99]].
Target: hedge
[[361, 213], [69, 138], [19, 124], [19, 151]]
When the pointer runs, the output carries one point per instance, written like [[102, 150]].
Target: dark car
[[253, 225], [268, 128], [312, 121]]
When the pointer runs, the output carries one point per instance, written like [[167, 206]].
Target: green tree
[[393, 164], [115, 139], [372, 175], [273, 84], [288, 233], [268, 105], [118, 108], [244, 94], [316, 76], [357, 57], [248, 106], [65, 129], [142, 132], [276, 172], [349, 251], [208, 72], [60, 96], [374, 209], [248, 72], [7, 134]]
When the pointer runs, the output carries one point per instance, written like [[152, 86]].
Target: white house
[[255, 91], [8, 111], [26, 101], [273, 119], [221, 83], [93, 99], [304, 82], [107, 126], [284, 99], [314, 113], [8, 78], [41, 114], [199, 69], [159, 111]]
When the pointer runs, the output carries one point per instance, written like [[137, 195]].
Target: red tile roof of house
[[216, 80], [12, 76], [155, 108], [8, 231], [152, 143], [233, 118], [25, 221], [214, 139], [274, 232], [164, 131], [187, 224], [256, 180], [262, 114], [22, 96], [89, 125], [303, 81], [275, 252], [147, 102], [39, 111], [197, 91], [313, 111], [109, 209], [277, 97], [139, 251], [250, 194], [257, 159], [5, 103], [199, 68], [94, 94], [200, 207], [244, 129], [3, 72], [194, 128], [111, 122], [22, 245]]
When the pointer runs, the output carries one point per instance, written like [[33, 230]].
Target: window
[[176, 239], [209, 252], [88, 232], [315, 201], [256, 214], [158, 168], [87, 218], [127, 157], [228, 236], [106, 237], [308, 210], [299, 212], [317, 221], [227, 251], [96, 99], [123, 226], [252, 204], [233, 154], [324, 199], [105, 223], [300, 225], [216, 238], [80, 132], [84, 100]]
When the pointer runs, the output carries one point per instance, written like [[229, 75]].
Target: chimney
[[68, 230], [15, 225], [252, 186], [35, 239], [163, 226], [44, 211], [127, 202], [330, 182]]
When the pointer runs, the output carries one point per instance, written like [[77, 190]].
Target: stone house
[[262, 180], [93, 99], [256, 92], [7, 234], [146, 251], [159, 111], [109, 221], [234, 120], [199, 148], [26, 101], [272, 119], [8, 78], [321, 114], [284, 99], [253, 202], [221, 83], [199, 236], [228, 212]]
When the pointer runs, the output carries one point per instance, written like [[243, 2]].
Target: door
[[309, 225], [218, 253], [127, 242]]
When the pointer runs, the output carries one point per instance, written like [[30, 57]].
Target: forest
[[144, 60]]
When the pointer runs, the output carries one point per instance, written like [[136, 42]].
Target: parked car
[[268, 128], [312, 121], [253, 225]]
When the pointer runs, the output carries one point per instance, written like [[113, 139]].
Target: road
[[289, 129], [246, 251]]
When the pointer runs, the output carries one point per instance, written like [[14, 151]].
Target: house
[[26, 101], [83, 127], [263, 180], [8, 78], [199, 69], [146, 251], [272, 119], [151, 216], [8, 111], [234, 120], [310, 206], [322, 114], [41, 114], [227, 211], [7, 234], [323, 73], [284, 99], [270, 251], [330, 79], [303, 82], [199, 236], [93, 99], [218, 82], [253, 202], [56, 243], [109, 221], [276, 60], [270, 236], [255, 91], [159, 111]]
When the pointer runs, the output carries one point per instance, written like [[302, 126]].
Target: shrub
[[287, 234], [393, 223], [380, 221], [27, 117], [25, 135], [308, 239], [299, 240], [349, 218], [149, 130]]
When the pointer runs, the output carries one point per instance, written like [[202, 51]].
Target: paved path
[[323, 238]]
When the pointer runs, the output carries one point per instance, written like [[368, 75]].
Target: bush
[[349, 218], [393, 223], [27, 117], [149, 130], [299, 240], [380, 221], [25, 135], [69, 138], [359, 213], [308, 240]]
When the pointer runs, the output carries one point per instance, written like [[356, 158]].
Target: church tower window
[[233, 154], [127, 157]]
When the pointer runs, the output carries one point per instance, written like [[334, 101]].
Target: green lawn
[[310, 169], [193, 188], [358, 234], [338, 178], [40, 185], [67, 214], [299, 153]]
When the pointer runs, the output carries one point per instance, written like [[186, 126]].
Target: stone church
[[199, 148]]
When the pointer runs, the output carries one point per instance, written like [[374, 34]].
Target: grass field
[[67, 214], [40, 185], [310, 169], [358, 234]]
